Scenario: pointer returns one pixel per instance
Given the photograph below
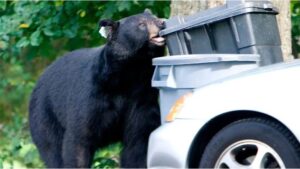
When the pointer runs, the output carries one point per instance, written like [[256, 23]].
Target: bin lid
[[204, 58], [216, 14]]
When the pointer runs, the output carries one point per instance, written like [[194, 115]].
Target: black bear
[[92, 97]]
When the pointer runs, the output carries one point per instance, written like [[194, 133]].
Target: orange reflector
[[177, 107]]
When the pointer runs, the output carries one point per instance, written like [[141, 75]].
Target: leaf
[[2, 7], [167, 12], [58, 3], [3, 45], [124, 5], [57, 33], [82, 13], [47, 31], [136, 2], [23, 42], [1, 163], [36, 38], [150, 3], [24, 25], [71, 30], [32, 53], [69, 33], [110, 9]]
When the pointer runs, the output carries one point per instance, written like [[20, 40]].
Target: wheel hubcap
[[250, 154]]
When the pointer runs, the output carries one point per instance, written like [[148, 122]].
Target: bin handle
[[171, 82], [168, 82]]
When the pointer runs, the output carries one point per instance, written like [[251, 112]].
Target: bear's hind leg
[[47, 134], [134, 155], [78, 151], [137, 131], [51, 154]]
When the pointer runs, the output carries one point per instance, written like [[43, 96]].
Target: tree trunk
[[188, 7], [284, 24]]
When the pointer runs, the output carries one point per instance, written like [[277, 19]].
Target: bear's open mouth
[[157, 40]]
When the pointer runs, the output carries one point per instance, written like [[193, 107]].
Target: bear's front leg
[[139, 124], [77, 151]]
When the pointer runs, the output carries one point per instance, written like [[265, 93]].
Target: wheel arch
[[205, 134]]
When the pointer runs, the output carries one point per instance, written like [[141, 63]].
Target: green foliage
[[32, 35], [44, 24], [295, 12], [108, 157], [17, 150]]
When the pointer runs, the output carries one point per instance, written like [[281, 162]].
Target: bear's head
[[134, 35]]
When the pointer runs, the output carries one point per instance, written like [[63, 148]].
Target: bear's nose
[[161, 23]]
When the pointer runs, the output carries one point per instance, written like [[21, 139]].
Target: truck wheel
[[252, 143]]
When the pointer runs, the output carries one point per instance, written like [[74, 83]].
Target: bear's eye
[[142, 25]]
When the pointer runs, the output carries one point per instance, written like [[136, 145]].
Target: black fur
[[92, 97]]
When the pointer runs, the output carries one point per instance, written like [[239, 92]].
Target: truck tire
[[252, 143]]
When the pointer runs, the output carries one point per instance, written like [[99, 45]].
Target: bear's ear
[[148, 11], [107, 27]]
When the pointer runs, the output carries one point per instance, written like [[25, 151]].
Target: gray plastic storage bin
[[177, 75], [235, 28]]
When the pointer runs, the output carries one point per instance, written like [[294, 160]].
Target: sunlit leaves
[[108, 157], [32, 23], [295, 16], [36, 38], [23, 42], [24, 25]]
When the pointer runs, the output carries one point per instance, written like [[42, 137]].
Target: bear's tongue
[[158, 39]]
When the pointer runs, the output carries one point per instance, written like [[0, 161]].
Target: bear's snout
[[161, 23], [154, 28]]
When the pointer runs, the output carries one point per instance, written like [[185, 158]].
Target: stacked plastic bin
[[215, 44]]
